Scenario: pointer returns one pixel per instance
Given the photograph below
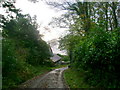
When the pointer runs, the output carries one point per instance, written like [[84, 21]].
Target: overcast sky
[[44, 15]]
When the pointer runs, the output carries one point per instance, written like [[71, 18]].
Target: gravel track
[[53, 79]]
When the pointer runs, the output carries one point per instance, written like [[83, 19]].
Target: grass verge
[[75, 79], [24, 75], [40, 70], [59, 66], [27, 73], [37, 71]]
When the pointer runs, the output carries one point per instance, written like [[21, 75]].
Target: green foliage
[[12, 65], [98, 54], [75, 78], [25, 31], [64, 57], [22, 49], [93, 42]]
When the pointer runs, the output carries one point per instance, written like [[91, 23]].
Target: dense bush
[[22, 50], [98, 55], [93, 41]]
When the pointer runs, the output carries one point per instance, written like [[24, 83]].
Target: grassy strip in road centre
[[74, 79]]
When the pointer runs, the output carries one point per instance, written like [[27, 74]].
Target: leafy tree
[[93, 42], [22, 47]]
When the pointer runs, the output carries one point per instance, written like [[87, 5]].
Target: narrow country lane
[[53, 79]]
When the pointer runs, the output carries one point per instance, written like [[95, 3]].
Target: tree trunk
[[106, 13], [114, 14]]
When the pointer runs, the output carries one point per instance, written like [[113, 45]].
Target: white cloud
[[44, 15], [43, 11]]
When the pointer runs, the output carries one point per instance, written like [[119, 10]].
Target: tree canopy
[[93, 42], [22, 46]]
